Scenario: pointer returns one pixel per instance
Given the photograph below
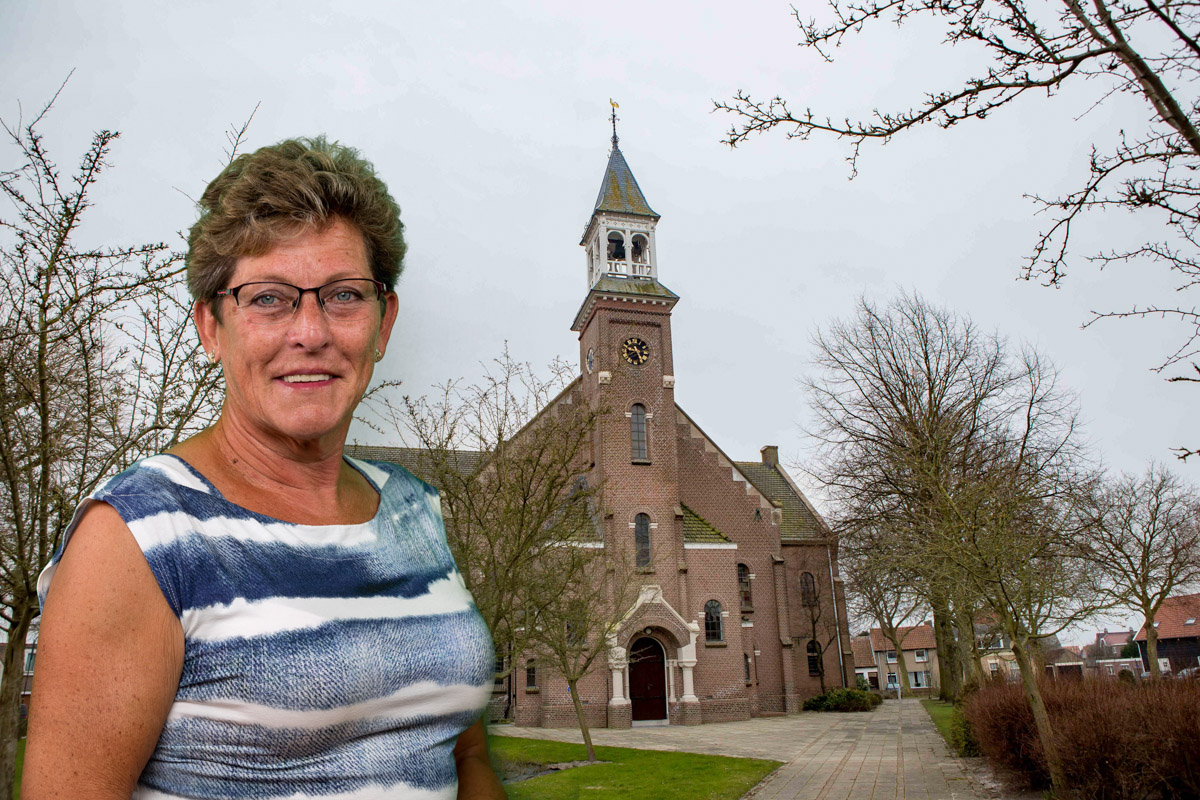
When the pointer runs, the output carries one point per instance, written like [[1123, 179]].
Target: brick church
[[737, 569]]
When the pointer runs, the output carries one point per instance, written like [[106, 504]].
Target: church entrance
[[648, 680]]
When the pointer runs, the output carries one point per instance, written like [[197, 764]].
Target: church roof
[[698, 530], [645, 290], [415, 459], [799, 523], [639, 286], [619, 191]]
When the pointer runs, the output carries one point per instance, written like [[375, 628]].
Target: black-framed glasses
[[271, 302]]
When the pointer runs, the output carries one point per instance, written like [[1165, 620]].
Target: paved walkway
[[892, 753]]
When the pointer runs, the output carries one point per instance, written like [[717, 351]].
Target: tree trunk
[[901, 673], [10, 693], [1152, 647], [949, 673], [1041, 720], [573, 687], [972, 660]]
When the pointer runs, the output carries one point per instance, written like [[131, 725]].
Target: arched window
[[641, 540], [616, 246], [640, 250], [744, 587], [814, 658], [808, 590], [637, 427], [713, 631]]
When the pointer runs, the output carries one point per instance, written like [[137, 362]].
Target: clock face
[[635, 351], [591, 359]]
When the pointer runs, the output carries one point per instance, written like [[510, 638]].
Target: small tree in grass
[[588, 590]]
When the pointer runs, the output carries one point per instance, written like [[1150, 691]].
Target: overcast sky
[[489, 121]]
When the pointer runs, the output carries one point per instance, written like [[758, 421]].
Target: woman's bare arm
[[476, 778], [110, 653]]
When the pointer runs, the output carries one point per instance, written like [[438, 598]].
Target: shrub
[[962, 738], [1117, 741], [1126, 676], [843, 700], [862, 684]]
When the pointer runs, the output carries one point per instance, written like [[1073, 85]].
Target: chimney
[[770, 455]]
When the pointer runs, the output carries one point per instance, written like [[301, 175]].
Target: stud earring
[[212, 358], [378, 355]]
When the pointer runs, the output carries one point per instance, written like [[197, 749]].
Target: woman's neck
[[299, 481]]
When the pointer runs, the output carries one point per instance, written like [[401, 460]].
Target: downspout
[[837, 625]]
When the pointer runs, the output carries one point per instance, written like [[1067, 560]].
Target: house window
[[995, 667], [746, 659], [712, 622], [814, 658], [892, 680], [30, 657], [498, 681], [744, 587], [641, 540], [637, 427], [808, 590], [921, 656], [919, 680], [891, 656], [530, 676]]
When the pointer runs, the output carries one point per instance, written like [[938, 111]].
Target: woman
[[251, 615]]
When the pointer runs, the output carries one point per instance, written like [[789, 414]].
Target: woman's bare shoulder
[[110, 653]]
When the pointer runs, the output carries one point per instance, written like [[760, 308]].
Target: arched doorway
[[648, 680]]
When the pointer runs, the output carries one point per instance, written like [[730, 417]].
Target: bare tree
[[1145, 49], [880, 586], [587, 592], [1008, 519], [100, 368], [509, 456], [900, 393], [822, 626], [1145, 545]]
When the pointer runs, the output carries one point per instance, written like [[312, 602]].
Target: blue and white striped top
[[320, 661]]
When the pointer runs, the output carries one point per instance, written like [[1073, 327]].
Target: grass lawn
[[939, 712], [644, 774]]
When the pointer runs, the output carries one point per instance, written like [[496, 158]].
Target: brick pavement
[[892, 753]]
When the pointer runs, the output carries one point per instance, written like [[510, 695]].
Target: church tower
[[624, 327]]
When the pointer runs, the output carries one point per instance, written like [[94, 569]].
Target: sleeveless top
[[320, 661]]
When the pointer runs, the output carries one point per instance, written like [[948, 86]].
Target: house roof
[[619, 191], [916, 637], [1114, 638], [1173, 619], [698, 530], [800, 522], [415, 459], [863, 656]]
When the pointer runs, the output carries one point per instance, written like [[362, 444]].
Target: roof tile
[[619, 191], [1173, 616]]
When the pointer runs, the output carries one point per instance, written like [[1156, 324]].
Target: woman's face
[[300, 379]]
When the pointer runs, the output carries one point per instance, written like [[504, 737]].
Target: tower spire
[[615, 106]]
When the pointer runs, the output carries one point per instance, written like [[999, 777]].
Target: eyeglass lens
[[266, 302]]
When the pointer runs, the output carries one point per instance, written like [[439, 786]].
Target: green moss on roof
[[638, 286], [619, 191], [698, 530], [798, 524]]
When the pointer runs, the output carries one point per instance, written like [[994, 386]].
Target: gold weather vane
[[615, 106]]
